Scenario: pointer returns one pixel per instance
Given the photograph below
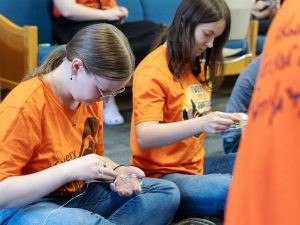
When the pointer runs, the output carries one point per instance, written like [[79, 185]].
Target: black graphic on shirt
[[90, 131]]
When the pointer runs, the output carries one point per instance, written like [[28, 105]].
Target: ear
[[76, 66]]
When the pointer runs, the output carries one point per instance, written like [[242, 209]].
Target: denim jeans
[[156, 204], [204, 195]]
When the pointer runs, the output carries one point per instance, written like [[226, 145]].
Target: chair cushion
[[33, 12], [238, 44], [160, 11], [44, 51]]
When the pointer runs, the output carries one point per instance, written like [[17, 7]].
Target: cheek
[[82, 93], [199, 40]]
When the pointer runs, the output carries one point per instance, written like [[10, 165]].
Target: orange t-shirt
[[105, 4], [38, 131], [157, 96], [265, 188]]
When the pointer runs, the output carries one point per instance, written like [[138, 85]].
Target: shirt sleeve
[[149, 93], [19, 137]]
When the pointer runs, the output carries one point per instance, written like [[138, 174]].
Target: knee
[[172, 190], [76, 216], [168, 192]]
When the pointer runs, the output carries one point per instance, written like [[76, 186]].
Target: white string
[[54, 210]]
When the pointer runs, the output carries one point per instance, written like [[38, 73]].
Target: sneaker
[[194, 221]]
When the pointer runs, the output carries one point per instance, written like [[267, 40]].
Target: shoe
[[113, 117], [111, 114], [194, 221]]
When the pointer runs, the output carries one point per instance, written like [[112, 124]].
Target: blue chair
[[243, 37]]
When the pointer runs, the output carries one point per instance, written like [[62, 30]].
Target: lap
[[204, 195], [201, 187], [99, 205], [49, 213], [219, 164]]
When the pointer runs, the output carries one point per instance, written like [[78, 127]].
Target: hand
[[89, 167], [124, 11], [231, 134], [217, 122], [260, 5], [243, 120], [114, 14], [263, 9], [128, 180]]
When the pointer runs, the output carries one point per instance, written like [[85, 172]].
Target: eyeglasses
[[112, 94]]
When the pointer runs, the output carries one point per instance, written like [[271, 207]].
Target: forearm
[[22, 190], [83, 13], [78, 12], [152, 135]]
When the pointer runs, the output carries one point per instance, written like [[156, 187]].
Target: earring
[[71, 77]]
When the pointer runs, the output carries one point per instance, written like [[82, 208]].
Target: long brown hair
[[104, 50], [180, 38]]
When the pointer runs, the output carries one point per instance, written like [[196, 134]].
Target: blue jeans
[[204, 195], [156, 204]]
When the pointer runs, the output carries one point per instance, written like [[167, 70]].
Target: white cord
[[54, 210]]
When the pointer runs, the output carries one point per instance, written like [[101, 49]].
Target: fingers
[[105, 172], [241, 116], [260, 5], [126, 184], [222, 120], [217, 122], [135, 170], [230, 116], [121, 190]]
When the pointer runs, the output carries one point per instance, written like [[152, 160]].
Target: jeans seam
[[125, 206], [87, 203]]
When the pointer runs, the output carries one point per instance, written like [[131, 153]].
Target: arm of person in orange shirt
[[17, 191], [70, 9], [124, 10], [152, 134]]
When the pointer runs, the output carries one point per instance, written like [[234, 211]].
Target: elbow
[[142, 142], [145, 136], [67, 14], [4, 200], [144, 139], [5, 205]]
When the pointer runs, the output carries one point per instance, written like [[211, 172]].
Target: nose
[[210, 42]]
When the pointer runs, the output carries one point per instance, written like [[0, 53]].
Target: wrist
[[118, 166], [200, 124], [66, 172]]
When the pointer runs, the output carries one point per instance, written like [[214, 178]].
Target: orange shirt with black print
[[37, 132], [266, 186], [158, 96], [105, 4]]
